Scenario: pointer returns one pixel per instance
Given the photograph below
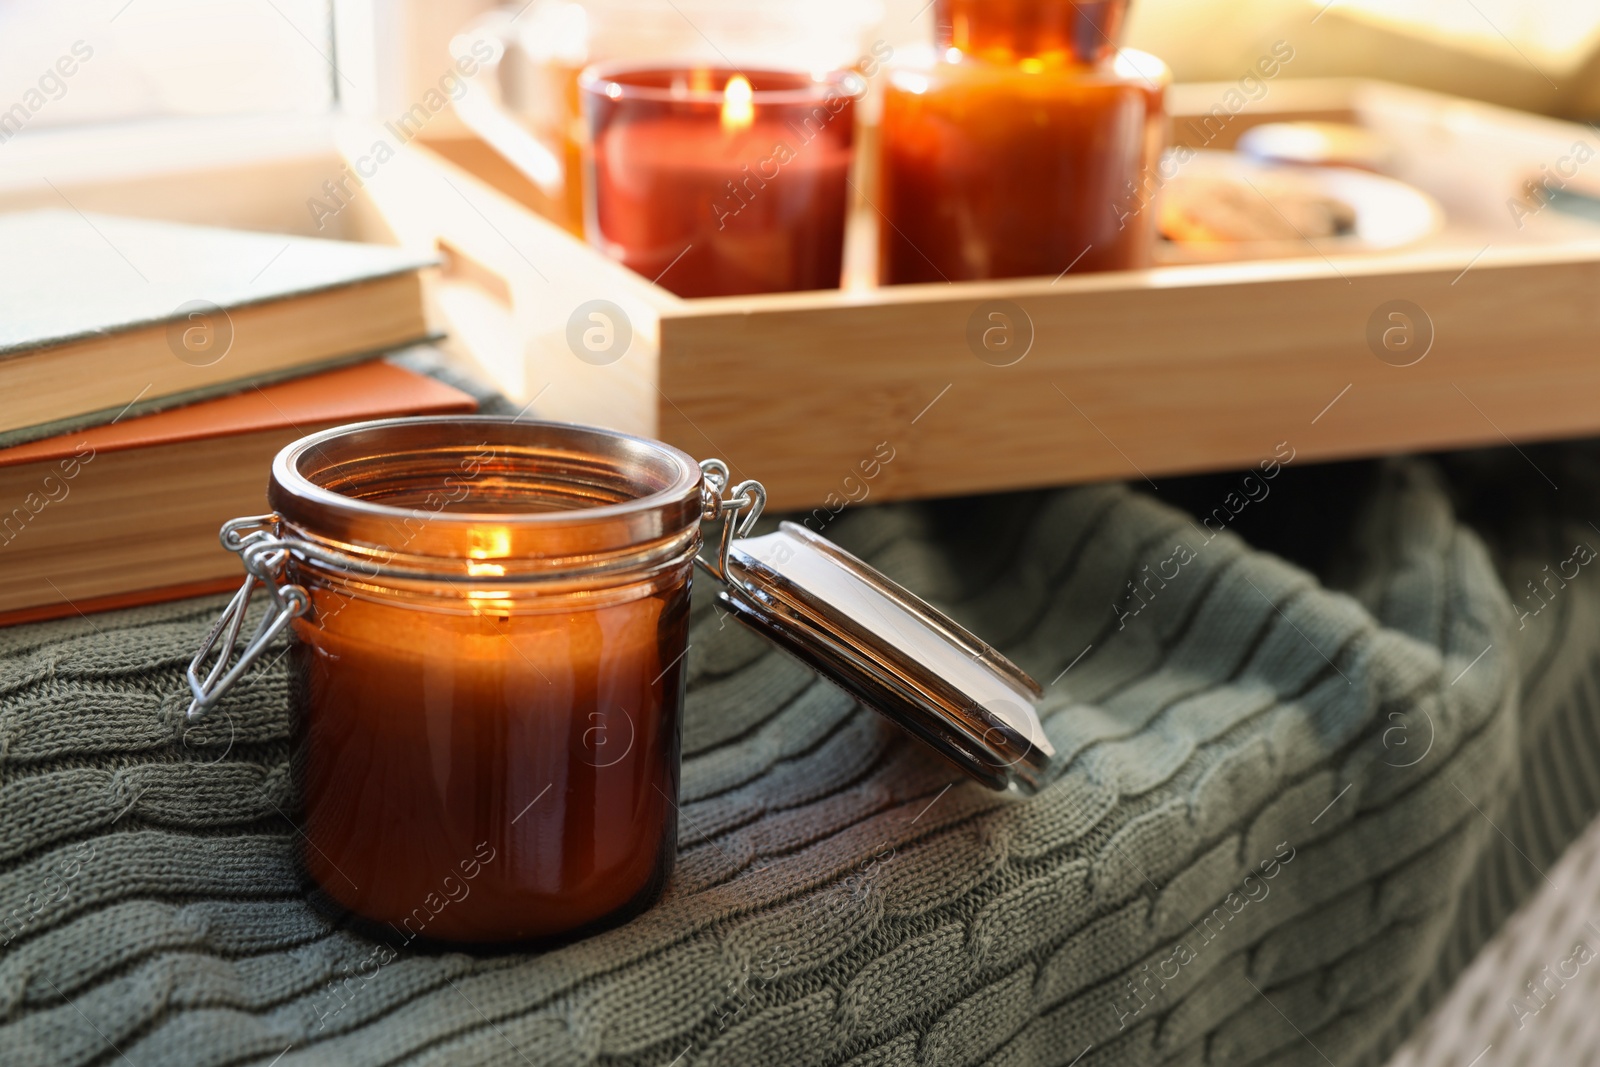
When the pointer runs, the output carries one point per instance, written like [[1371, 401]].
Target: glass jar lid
[[893, 651]]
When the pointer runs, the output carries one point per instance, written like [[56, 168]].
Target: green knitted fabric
[[1276, 828]]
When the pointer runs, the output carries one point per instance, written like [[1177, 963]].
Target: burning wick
[[738, 104]]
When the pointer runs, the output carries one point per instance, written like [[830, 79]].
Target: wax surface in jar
[[993, 171], [490, 778]]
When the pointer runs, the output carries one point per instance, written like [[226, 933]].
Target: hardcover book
[[129, 512], [111, 318]]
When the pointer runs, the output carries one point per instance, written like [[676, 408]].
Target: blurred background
[[155, 59]]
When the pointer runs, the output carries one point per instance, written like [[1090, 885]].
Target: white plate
[[1389, 213]]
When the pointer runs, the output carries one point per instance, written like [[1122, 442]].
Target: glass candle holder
[[489, 623], [1024, 149], [718, 182], [488, 678], [546, 44]]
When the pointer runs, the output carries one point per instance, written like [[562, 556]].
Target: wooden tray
[[1129, 375]]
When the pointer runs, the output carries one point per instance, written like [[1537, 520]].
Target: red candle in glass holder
[[717, 182]]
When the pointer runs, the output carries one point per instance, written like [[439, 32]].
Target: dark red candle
[[721, 182]]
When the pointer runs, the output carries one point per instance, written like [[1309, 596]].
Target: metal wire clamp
[[265, 558], [738, 509]]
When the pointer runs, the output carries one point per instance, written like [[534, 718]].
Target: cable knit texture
[[1288, 806]]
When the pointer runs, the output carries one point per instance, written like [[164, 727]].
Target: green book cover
[[70, 277]]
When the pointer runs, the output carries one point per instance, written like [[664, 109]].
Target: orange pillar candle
[[1024, 149], [721, 182]]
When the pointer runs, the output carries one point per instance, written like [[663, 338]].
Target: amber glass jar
[[489, 677], [1083, 32], [1023, 148]]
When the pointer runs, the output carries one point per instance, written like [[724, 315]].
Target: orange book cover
[[46, 536]]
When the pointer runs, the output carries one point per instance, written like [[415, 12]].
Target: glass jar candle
[[1023, 148], [489, 621], [488, 677], [720, 182], [544, 45]]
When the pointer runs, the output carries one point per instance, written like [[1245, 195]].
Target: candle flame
[[738, 104], [490, 542]]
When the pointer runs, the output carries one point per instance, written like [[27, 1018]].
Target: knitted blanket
[[1291, 800]]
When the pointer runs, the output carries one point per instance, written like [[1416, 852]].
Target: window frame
[[369, 38]]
